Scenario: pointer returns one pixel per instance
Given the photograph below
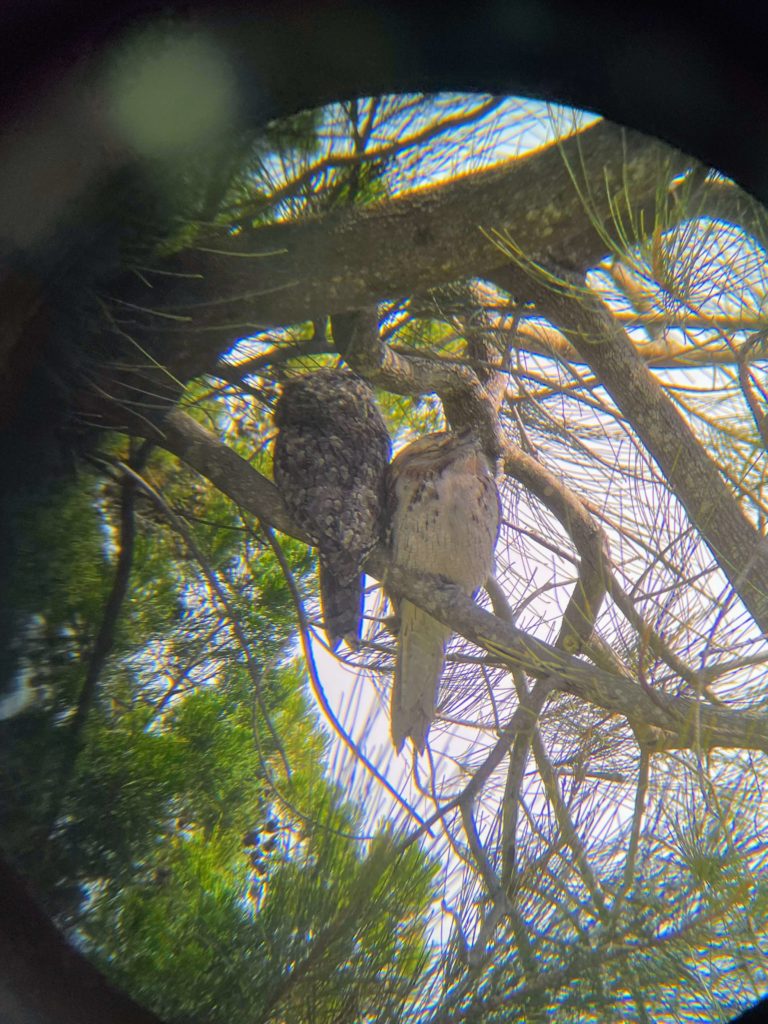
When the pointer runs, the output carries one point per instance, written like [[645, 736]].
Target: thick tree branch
[[718, 726], [689, 720], [586, 321], [466, 400], [587, 535], [558, 200], [202, 451]]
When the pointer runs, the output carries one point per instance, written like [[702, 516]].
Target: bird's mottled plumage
[[330, 461], [444, 519]]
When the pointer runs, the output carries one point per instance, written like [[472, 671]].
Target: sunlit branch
[[362, 155], [292, 272], [663, 352]]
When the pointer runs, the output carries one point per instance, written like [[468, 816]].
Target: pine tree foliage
[[207, 795]]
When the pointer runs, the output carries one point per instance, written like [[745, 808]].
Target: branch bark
[[690, 721], [467, 402], [586, 322], [555, 200]]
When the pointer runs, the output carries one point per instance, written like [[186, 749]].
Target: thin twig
[[316, 685], [255, 675]]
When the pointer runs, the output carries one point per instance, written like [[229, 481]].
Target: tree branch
[[286, 273], [466, 400], [103, 644], [689, 720], [586, 321], [587, 535]]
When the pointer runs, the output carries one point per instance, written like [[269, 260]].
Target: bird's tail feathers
[[342, 606], [420, 659]]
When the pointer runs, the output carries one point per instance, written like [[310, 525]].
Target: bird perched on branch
[[330, 460], [443, 510]]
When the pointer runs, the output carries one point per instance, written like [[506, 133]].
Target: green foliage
[[168, 835], [296, 931], [62, 531], [191, 820]]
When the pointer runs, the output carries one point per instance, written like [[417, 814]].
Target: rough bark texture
[[554, 204], [228, 287]]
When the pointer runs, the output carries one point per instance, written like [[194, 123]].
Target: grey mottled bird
[[330, 461], [443, 519]]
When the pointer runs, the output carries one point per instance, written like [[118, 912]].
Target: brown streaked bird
[[330, 461], [443, 519]]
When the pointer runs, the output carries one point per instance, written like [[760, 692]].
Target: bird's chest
[[446, 523]]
